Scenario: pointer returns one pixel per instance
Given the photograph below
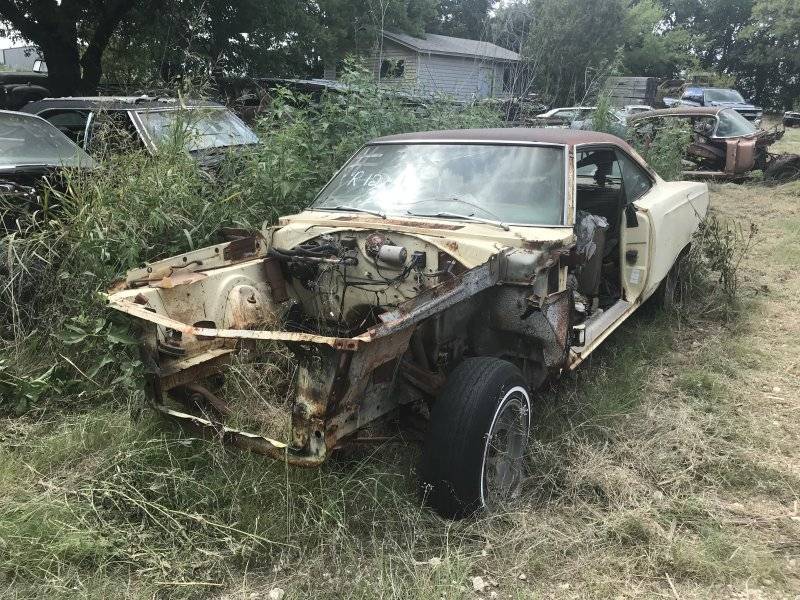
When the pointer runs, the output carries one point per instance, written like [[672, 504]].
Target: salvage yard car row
[[447, 273]]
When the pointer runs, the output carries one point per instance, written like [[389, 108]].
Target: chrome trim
[[463, 141]]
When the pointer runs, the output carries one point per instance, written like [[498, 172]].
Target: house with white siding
[[24, 58], [440, 64]]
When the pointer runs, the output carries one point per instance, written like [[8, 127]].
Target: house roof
[[444, 44]]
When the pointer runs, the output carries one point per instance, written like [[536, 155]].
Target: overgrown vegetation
[[136, 208], [710, 271], [665, 149], [652, 479]]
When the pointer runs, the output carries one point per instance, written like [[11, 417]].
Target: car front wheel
[[475, 446]]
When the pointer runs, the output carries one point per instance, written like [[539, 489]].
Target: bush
[[665, 150], [709, 273], [56, 336]]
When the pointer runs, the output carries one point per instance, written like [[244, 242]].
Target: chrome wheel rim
[[502, 470]]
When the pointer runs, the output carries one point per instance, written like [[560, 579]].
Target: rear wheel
[[475, 445]]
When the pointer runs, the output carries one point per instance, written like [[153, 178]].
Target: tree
[[463, 18], [219, 37], [354, 25], [648, 47], [71, 36], [771, 69], [567, 60]]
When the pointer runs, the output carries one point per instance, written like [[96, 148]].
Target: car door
[[667, 215], [636, 231]]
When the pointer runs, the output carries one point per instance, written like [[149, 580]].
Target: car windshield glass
[[732, 124], [723, 96], [514, 184], [197, 128], [29, 140]]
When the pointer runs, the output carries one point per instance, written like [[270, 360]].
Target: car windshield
[[514, 184], [28, 140], [732, 124], [723, 96], [199, 128]]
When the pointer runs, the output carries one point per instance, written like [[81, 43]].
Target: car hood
[[212, 157], [472, 244], [734, 105]]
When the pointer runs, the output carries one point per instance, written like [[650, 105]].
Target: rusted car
[[724, 145], [449, 271]]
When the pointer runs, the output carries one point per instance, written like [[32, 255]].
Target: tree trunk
[[63, 67], [92, 69]]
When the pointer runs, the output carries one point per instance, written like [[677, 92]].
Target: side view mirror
[[631, 220], [39, 66]]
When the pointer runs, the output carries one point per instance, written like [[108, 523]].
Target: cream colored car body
[[483, 290]]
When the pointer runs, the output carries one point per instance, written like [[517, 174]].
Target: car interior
[[110, 129], [607, 182]]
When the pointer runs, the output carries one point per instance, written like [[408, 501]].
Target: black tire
[[460, 462], [669, 293]]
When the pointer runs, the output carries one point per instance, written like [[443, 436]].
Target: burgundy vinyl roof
[[511, 135], [524, 135], [552, 135]]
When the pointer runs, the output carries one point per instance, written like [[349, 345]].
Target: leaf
[[96, 369], [117, 335], [71, 338]]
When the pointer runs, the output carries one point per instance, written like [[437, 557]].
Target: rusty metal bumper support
[[339, 389]]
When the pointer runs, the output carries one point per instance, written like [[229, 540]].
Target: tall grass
[[57, 338], [641, 467]]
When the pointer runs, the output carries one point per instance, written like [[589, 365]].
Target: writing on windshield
[[515, 184]]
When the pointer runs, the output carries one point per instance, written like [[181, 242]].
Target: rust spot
[[240, 248], [532, 245], [401, 222]]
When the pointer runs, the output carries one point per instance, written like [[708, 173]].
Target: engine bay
[[344, 281]]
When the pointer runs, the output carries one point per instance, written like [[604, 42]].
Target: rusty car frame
[[724, 144], [398, 288]]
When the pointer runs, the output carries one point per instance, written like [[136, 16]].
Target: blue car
[[722, 98]]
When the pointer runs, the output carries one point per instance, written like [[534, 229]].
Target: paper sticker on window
[[635, 274]]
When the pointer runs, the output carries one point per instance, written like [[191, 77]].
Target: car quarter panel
[[675, 209]]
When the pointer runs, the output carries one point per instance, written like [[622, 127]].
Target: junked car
[[563, 116], [449, 271], [31, 149], [791, 118], [616, 122], [713, 97], [209, 129], [724, 144]]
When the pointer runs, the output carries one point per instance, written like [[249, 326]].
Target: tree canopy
[[567, 45]]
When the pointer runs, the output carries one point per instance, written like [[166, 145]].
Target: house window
[[393, 69]]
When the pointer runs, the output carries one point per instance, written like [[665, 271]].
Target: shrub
[[56, 334], [665, 149], [709, 272]]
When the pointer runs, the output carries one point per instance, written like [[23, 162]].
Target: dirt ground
[[666, 467]]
